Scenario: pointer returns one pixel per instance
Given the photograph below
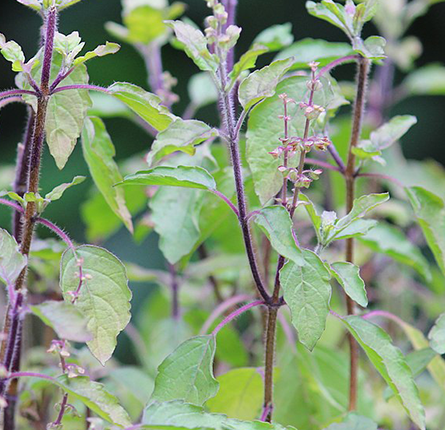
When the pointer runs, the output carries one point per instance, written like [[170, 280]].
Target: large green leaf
[[144, 104], [95, 397], [354, 421], [99, 153], [389, 240], [65, 319], [307, 292], [276, 223], [180, 135], [262, 83], [348, 276], [240, 394], [392, 131], [307, 50], [195, 45], [12, 261], [430, 212], [181, 176], [275, 37], [436, 335], [187, 373], [104, 298], [390, 363], [427, 80]]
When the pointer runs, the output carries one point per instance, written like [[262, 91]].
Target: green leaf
[[57, 192], [307, 292], [202, 90], [144, 24], [262, 83], [104, 298], [276, 224], [33, 4], [240, 394], [332, 13], [12, 262], [144, 104], [181, 176], [95, 397], [65, 319], [13, 53], [436, 335], [187, 373], [392, 131], [180, 135], [275, 37], [246, 62], [427, 80], [354, 421], [99, 153], [348, 276], [195, 45], [179, 414], [430, 212], [371, 48], [389, 240], [390, 363], [308, 50], [100, 51]]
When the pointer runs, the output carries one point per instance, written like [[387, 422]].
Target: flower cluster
[[289, 146]]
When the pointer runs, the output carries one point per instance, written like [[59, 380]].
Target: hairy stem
[[272, 313], [357, 120]]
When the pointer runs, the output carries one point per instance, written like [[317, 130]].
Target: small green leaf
[[427, 80], [390, 363], [354, 421], [13, 53], [145, 24], [392, 131], [276, 223], [195, 45], [100, 51], [348, 276], [12, 262], [371, 48], [275, 37], [33, 4], [262, 83], [202, 90], [308, 50], [331, 12], [389, 240], [95, 397], [240, 394], [57, 192], [307, 292], [246, 62], [144, 104], [436, 335], [430, 212], [181, 176], [65, 319], [99, 152], [104, 297], [180, 135], [187, 373]]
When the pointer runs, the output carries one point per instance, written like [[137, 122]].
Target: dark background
[[19, 23]]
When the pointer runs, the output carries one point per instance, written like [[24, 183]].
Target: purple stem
[[336, 156], [16, 375], [335, 63], [324, 164], [266, 412], [60, 77], [51, 24], [63, 405], [14, 99], [381, 176], [335, 314], [221, 308], [227, 200], [58, 231], [384, 314], [16, 92], [81, 87], [236, 314], [230, 7], [13, 205]]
